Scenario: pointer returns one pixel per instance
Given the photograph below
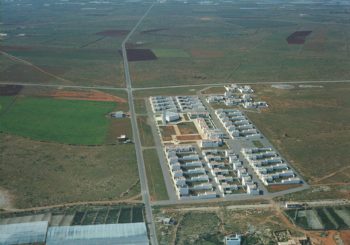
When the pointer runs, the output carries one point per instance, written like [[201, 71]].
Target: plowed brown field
[[82, 95], [188, 137]]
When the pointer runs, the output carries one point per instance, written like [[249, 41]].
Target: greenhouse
[[23, 233], [126, 234]]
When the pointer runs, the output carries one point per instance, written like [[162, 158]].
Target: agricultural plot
[[81, 53], [79, 215], [298, 37], [321, 218], [63, 121], [170, 53], [5, 103], [139, 54], [125, 215], [109, 215], [230, 42], [9, 90]]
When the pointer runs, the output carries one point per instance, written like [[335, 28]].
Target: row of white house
[[237, 95], [188, 172], [269, 166], [190, 103], [176, 104], [163, 103], [228, 172], [236, 124], [246, 89]]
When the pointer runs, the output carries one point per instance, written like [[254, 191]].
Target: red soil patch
[[8, 90], [275, 188], [298, 37], [80, 95], [207, 54], [345, 236], [189, 137], [113, 33], [139, 54]]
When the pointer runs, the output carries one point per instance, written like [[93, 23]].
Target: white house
[[210, 143], [117, 114], [252, 189], [233, 240], [171, 116]]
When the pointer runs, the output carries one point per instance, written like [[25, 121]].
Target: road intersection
[[136, 135]]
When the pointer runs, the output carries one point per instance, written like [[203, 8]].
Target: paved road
[[139, 156], [245, 83], [271, 204], [164, 87]]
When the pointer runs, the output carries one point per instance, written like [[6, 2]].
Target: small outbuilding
[[169, 116], [118, 114], [233, 239]]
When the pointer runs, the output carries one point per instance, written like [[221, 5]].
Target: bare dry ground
[[5, 199], [39, 174], [311, 126]]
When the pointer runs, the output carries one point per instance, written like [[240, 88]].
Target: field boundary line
[[9, 106], [14, 58], [72, 204], [62, 86]]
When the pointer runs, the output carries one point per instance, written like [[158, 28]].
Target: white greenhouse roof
[[23, 233], [126, 234]]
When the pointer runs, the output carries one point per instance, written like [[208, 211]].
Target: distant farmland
[[139, 54], [298, 37], [63, 121]]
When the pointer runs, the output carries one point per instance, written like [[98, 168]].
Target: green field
[[170, 53], [64, 121], [5, 102], [155, 176]]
